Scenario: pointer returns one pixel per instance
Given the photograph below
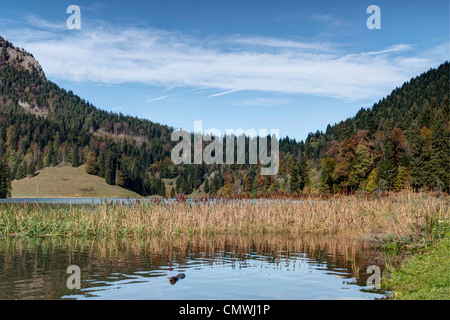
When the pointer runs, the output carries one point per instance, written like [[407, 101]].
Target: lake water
[[126, 201], [80, 201], [221, 267]]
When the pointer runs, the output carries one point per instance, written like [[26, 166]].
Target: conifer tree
[[362, 166], [21, 170], [31, 169], [214, 185], [91, 164], [296, 179], [372, 181], [326, 180], [304, 174], [418, 158], [440, 159], [120, 179], [388, 169], [110, 168], [75, 157], [162, 189], [401, 181], [5, 179]]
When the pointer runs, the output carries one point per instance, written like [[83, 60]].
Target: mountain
[[42, 125], [65, 181], [401, 142]]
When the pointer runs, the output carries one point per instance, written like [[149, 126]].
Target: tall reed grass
[[395, 214]]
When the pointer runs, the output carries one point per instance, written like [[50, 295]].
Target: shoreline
[[405, 223]]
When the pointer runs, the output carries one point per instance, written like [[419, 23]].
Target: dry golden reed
[[395, 214]]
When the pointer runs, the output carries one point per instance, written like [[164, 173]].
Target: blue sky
[[289, 65]]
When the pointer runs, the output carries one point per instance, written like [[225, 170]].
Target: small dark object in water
[[174, 279]]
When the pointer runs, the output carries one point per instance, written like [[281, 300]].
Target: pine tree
[[49, 156], [162, 189], [164, 173], [5, 179], [326, 180], [344, 162], [206, 186], [21, 170], [75, 157], [110, 168], [120, 179], [440, 160], [361, 167], [220, 181], [101, 164], [31, 169], [401, 181], [296, 178], [304, 173], [387, 170], [214, 185], [372, 182], [91, 164], [419, 155]]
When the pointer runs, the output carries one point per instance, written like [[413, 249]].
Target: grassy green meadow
[[65, 181]]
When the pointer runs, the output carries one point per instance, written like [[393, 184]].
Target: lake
[[127, 201], [264, 267]]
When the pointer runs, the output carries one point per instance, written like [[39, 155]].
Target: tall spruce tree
[[91, 164], [5, 179], [295, 182], [440, 160], [388, 169], [75, 157], [110, 168], [417, 157]]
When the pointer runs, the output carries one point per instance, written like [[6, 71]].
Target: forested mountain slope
[[401, 142]]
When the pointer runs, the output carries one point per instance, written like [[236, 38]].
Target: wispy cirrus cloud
[[157, 99], [221, 93], [103, 53], [115, 108], [270, 42], [329, 19], [264, 102]]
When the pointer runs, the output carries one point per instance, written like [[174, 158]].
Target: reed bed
[[395, 214]]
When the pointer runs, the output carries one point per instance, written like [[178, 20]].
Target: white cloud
[[221, 93], [329, 19], [395, 48], [156, 99], [280, 43], [112, 55], [265, 102]]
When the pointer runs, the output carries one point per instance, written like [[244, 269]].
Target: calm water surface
[[221, 267], [123, 201]]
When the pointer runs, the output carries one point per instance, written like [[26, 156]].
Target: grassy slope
[[425, 276], [66, 181]]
